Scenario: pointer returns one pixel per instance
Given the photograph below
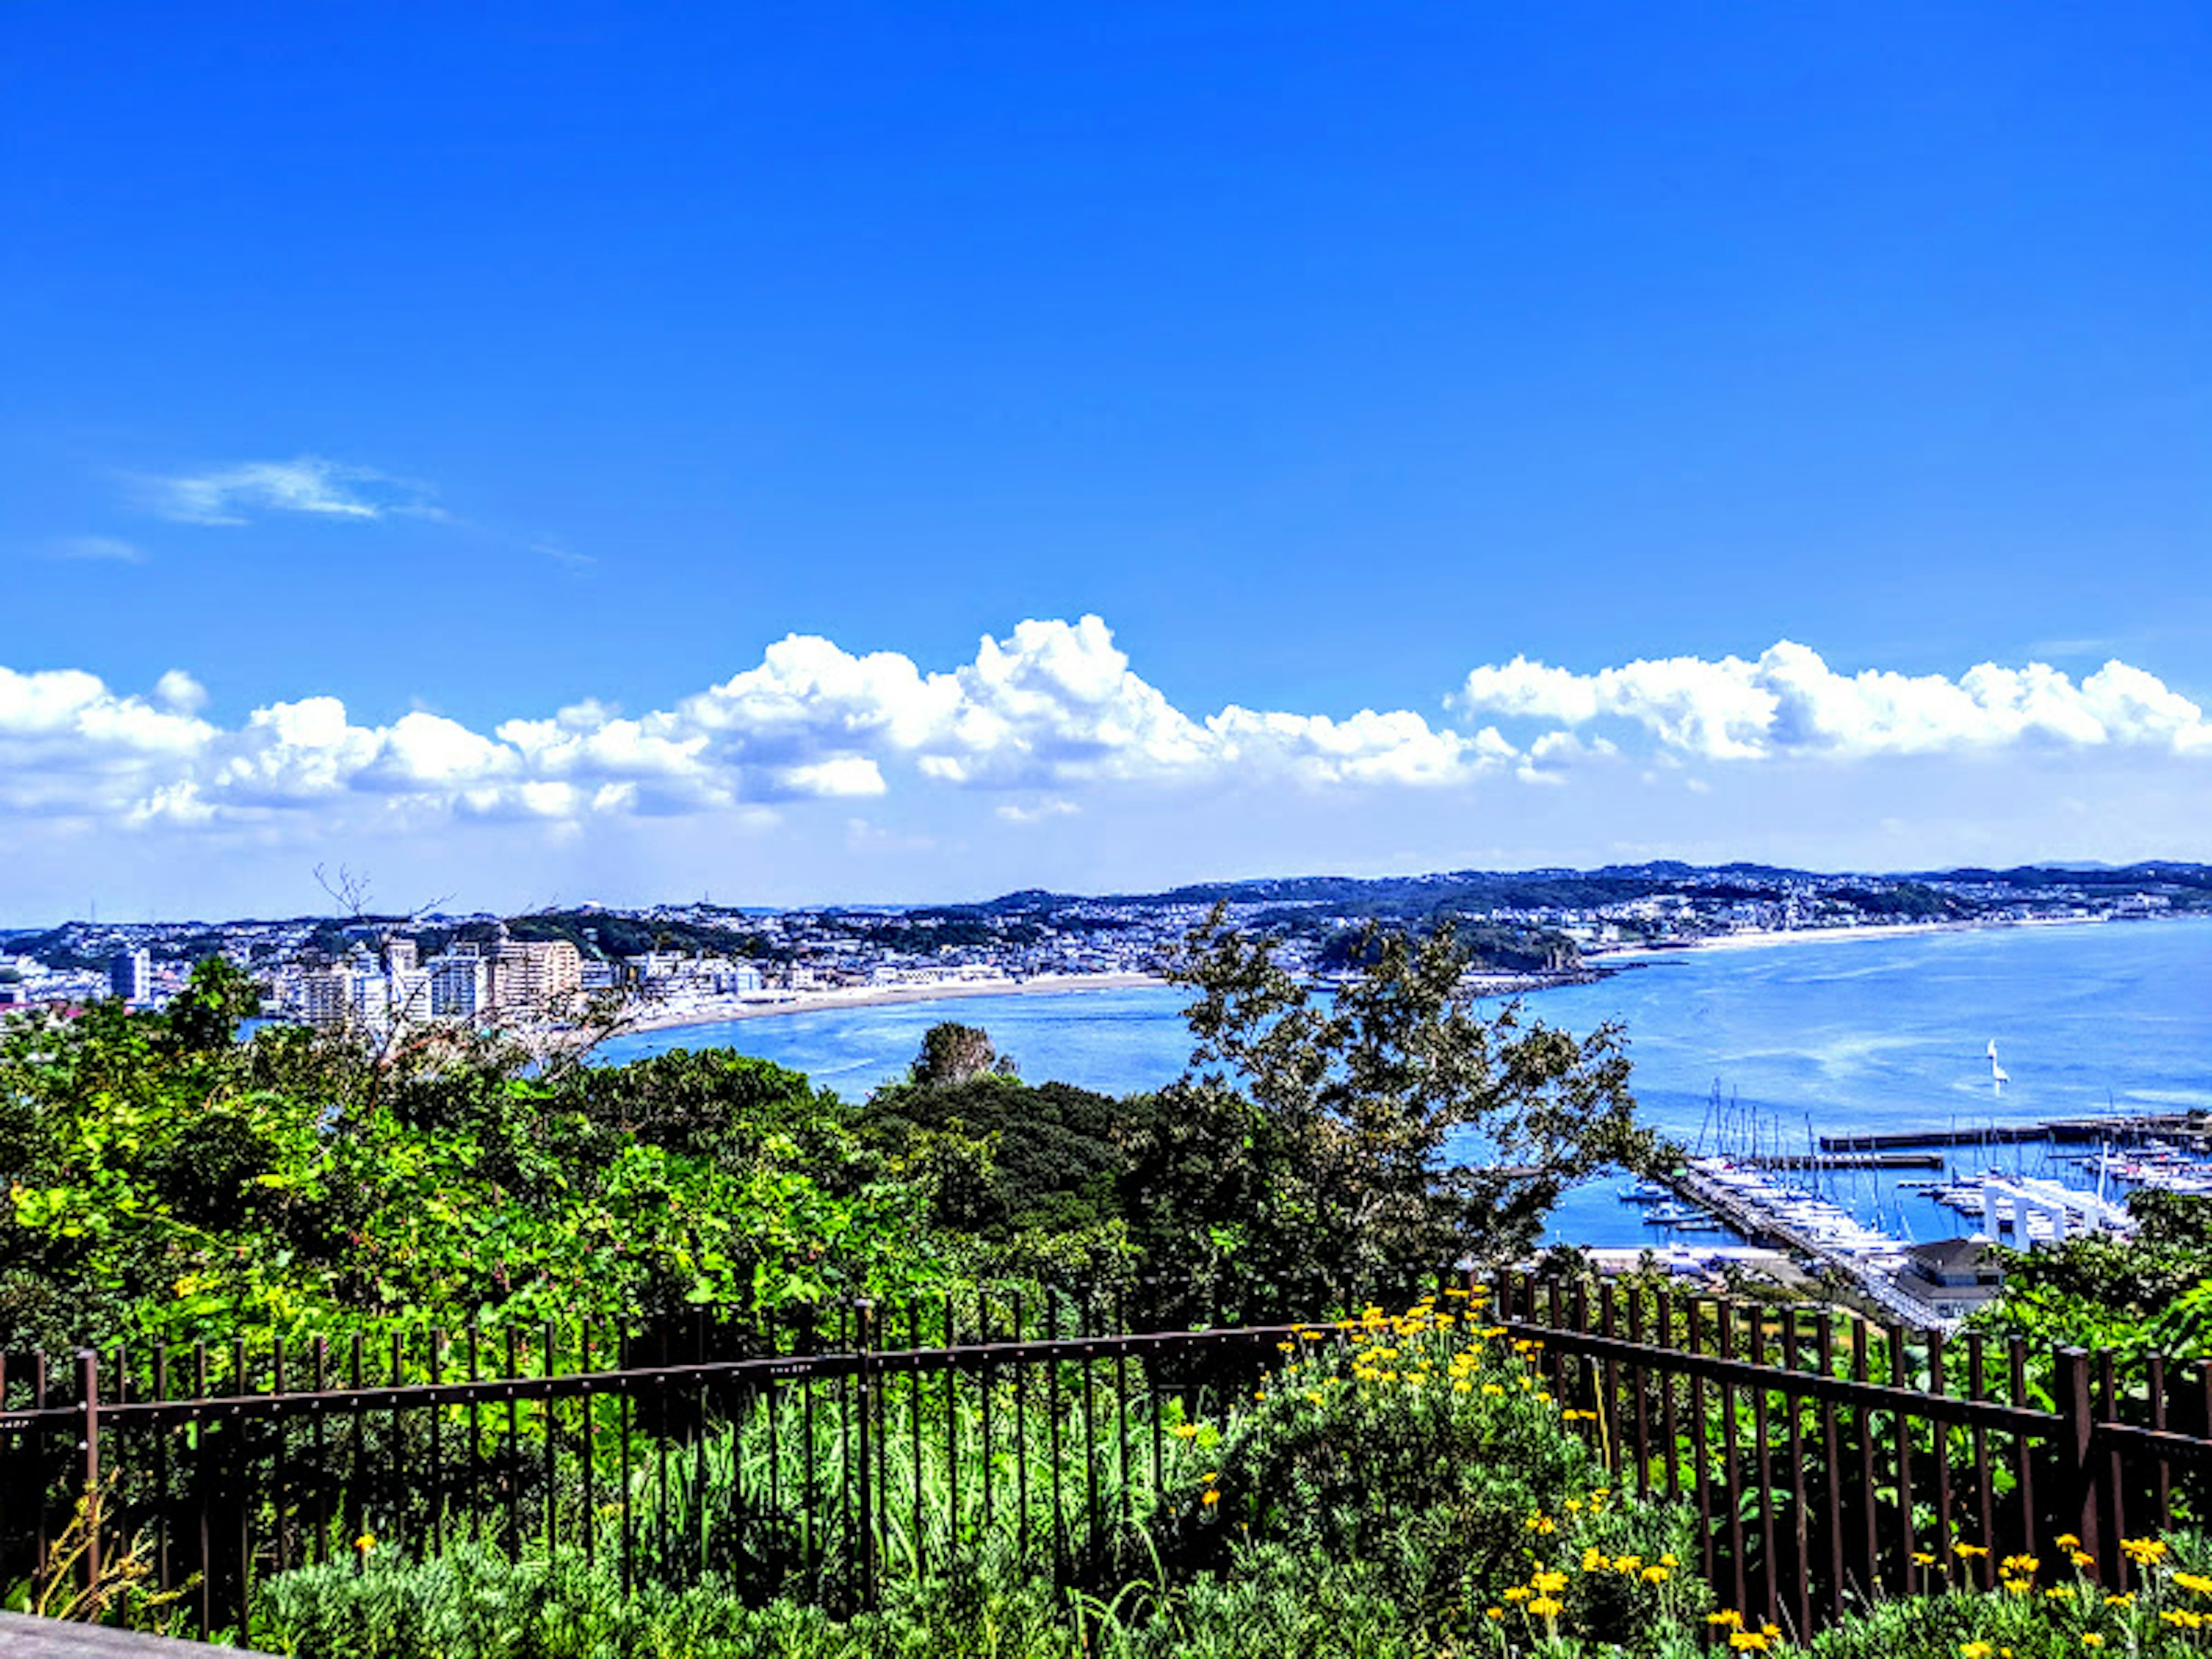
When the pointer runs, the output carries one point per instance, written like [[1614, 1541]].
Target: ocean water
[[1870, 1034]]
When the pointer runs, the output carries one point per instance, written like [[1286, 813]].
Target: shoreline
[[870, 996], [1598, 965], [1758, 939]]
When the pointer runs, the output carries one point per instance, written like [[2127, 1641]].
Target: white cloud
[[309, 484], [1789, 701], [1047, 722]]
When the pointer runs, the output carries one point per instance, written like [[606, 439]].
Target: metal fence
[[1828, 1459], [1833, 1459], [808, 1456]]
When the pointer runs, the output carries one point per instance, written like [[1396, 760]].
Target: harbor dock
[[2182, 1126]]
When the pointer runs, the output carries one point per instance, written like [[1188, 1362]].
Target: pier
[[1851, 1160], [2180, 1126], [1758, 1227]]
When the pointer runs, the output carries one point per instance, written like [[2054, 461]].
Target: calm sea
[[1888, 1034]]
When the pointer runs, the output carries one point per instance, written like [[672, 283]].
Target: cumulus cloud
[[1789, 701], [1041, 719], [309, 484]]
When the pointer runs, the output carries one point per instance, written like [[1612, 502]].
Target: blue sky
[[381, 382]]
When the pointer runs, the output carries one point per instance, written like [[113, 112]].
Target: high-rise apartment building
[[536, 976], [130, 974], [460, 986]]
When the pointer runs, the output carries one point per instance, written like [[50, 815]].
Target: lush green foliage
[[2150, 1294], [168, 1183]]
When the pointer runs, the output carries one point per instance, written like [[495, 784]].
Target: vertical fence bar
[[1984, 1492], [1940, 1441], [1862, 1420], [952, 1439], [1052, 1416], [987, 1376], [88, 1395], [1762, 1436], [1701, 1463], [1089, 1426], [162, 1580], [1667, 1431], [2022, 1449], [629, 1473], [2162, 1493], [2114, 1471], [1900, 1418], [1732, 1453], [2071, 1387], [1121, 1395], [1801, 1554], [1824, 1355], [863, 1346], [1021, 1438], [206, 1562]]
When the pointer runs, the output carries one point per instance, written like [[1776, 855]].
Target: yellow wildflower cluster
[[1743, 1637]]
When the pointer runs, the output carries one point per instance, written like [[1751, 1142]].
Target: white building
[[130, 976]]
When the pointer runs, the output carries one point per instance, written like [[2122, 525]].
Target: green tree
[[1307, 1151]]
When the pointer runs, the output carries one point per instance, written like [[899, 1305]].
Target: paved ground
[[48, 1638]]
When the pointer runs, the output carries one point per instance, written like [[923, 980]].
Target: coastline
[[732, 1009], [1758, 939], [1598, 965]]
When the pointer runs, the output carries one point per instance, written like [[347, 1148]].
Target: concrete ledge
[[24, 1638]]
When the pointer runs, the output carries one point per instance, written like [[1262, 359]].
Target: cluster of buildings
[[513, 980]]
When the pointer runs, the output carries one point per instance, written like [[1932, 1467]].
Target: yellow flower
[[1653, 1575], [1518, 1593], [1747, 1641], [1970, 1551], [1729, 1618], [2021, 1564], [1975, 1651], [1924, 1558], [1550, 1583], [2127, 1600], [365, 1542], [1184, 1430], [2083, 1560], [1668, 1560], [2091, 1639], [1628, 1563], [2068, 1541], [1210, 1497], [1493, 1612], [2143, 1551], [2195, 1582], [1545, 1606]]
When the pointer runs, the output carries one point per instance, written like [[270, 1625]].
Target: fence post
[[88, 1382], [2071, 1377], [864, 1345]]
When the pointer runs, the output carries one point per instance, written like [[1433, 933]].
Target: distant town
[[670, 964]]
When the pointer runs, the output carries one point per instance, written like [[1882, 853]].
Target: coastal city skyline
[[827, 457]]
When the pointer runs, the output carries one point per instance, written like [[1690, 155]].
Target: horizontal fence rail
[[1833, 1459], [1829, 1459]]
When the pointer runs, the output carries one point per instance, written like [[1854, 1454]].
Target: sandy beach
[[1756, 938], [728, 1009]]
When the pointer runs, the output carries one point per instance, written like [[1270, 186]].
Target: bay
[[1885, 1032]]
